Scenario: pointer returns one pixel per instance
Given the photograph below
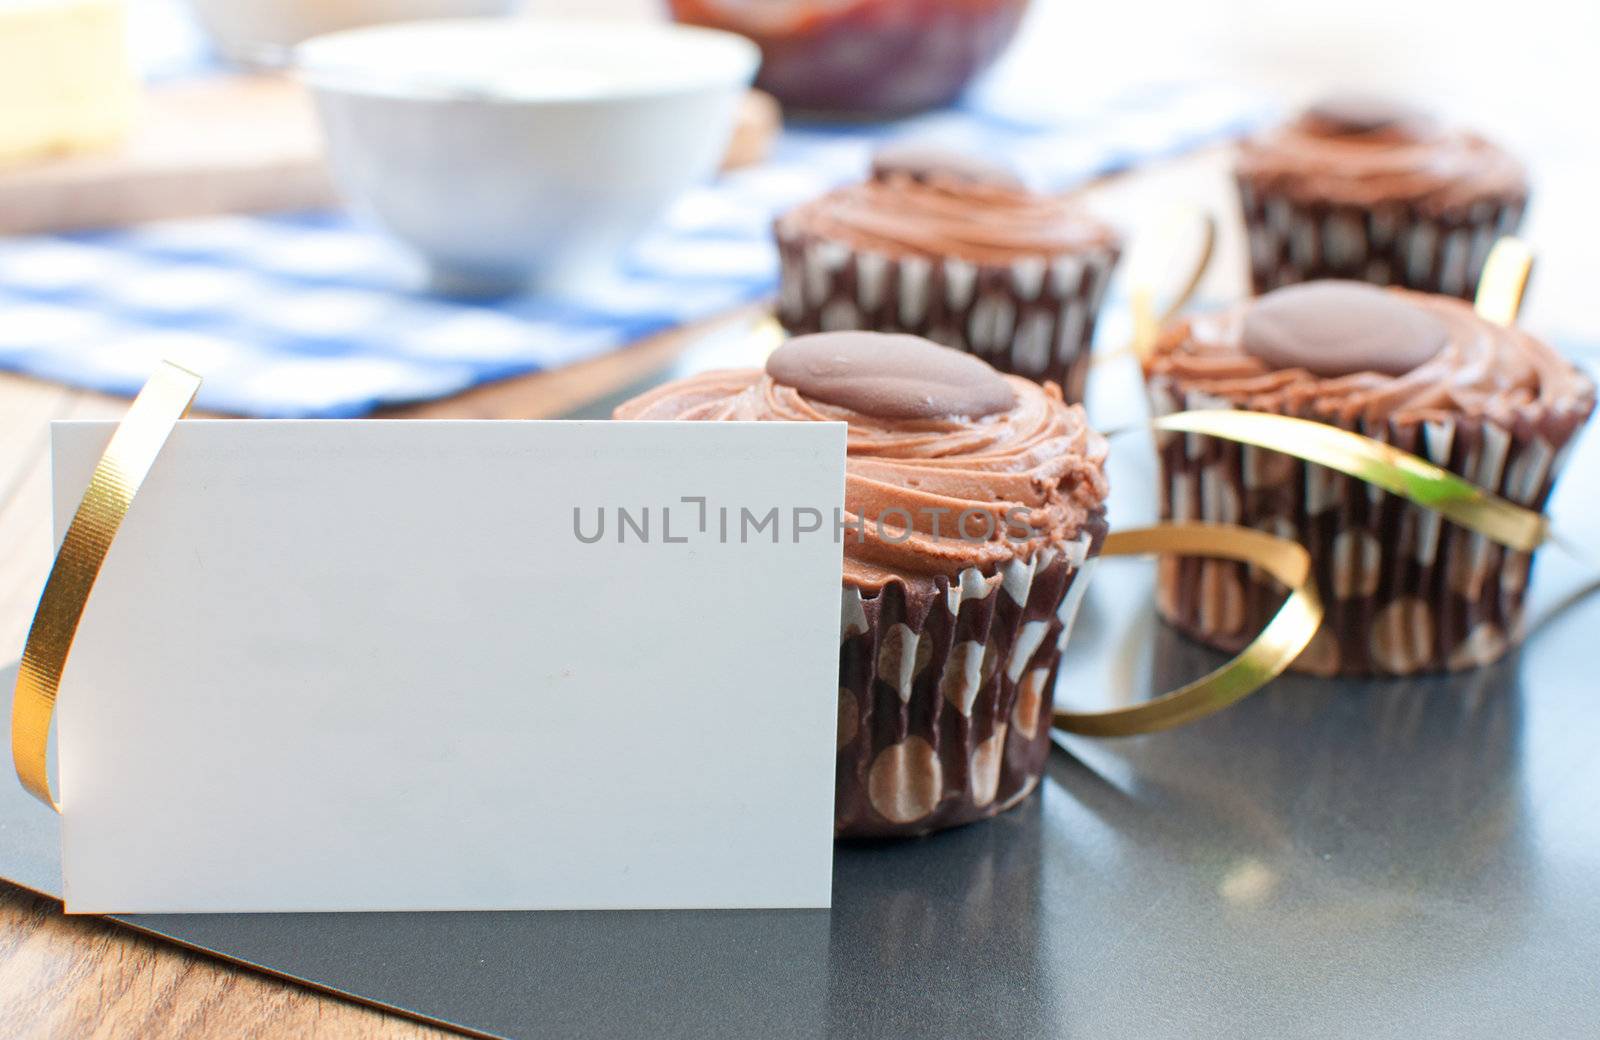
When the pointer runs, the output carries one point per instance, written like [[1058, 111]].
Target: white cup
[[517, 152]]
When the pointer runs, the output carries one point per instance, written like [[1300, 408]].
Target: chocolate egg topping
[[890, 376], [920, 161], [1334, 328]]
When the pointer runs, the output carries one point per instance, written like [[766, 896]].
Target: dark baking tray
[[1416, 858]]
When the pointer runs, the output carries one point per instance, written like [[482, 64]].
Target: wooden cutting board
[[228, 144]]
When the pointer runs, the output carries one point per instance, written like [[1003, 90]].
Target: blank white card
[[457, 665]]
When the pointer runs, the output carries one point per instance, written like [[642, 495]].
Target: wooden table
[[82, 977]]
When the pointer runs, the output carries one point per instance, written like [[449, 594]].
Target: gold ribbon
[[1504, 281], [1143, 276], [117, 478], [1279, 643], [1412, 478]]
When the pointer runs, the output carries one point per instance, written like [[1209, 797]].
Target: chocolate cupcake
[[1405, 590], [1375, 192], [974, 508], [957, 250]]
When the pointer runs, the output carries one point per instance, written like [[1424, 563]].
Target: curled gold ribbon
[[1412, 478], [117, 478], [1148, 319], [1279, 643], [1504, 281], [1143, 277]]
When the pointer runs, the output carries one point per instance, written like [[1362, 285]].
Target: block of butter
[[66, 82]]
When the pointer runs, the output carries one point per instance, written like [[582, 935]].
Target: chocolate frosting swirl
[[1037, 456], [1360, 152], [982, 220], [1480, 369]]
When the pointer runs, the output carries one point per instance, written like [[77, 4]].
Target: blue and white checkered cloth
[[314, 315]]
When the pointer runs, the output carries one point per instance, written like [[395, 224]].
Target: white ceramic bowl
[[262, 32], [516, 152]]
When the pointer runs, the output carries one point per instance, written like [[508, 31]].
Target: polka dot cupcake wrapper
[[945, 693], [1393, 244], [1405, 591], [1034, 317]]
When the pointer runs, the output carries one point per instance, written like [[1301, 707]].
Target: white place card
[[457, 665]]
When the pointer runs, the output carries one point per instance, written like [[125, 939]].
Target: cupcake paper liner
[[1390, 244], [946, 691], [1034, 317], [1405, 591]]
